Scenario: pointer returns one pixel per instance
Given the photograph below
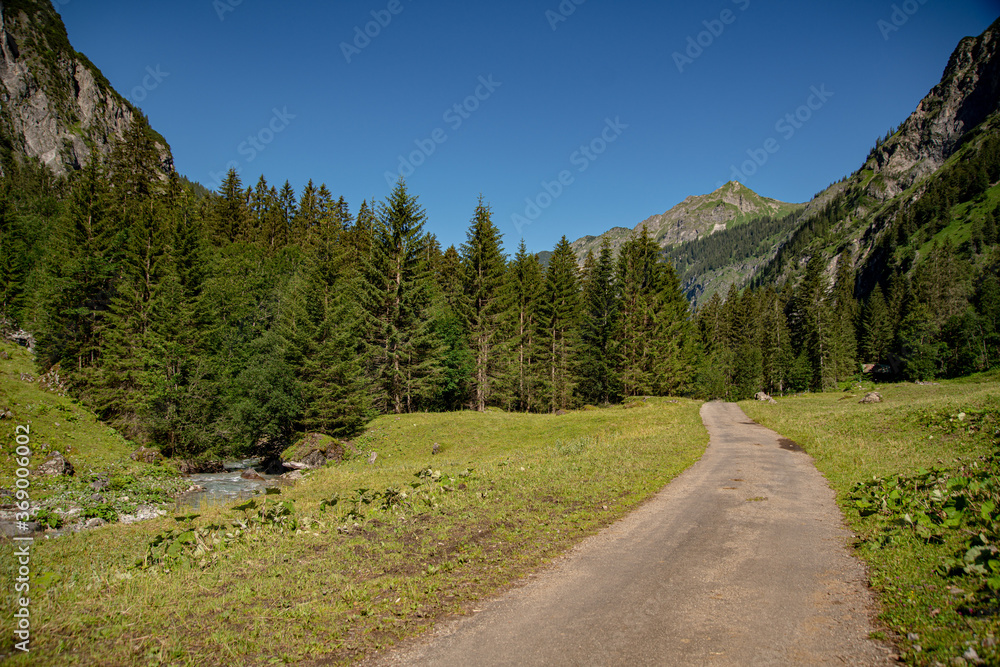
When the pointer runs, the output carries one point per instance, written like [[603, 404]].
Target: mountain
[[928, 181], [697, 216], [55, 105], [932, 181]]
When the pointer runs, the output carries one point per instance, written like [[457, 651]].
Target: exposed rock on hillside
[[55, 105], [968, 93]]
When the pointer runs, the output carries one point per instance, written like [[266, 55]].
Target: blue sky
[[569, 117]]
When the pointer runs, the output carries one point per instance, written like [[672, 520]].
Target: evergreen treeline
[[231, 322]]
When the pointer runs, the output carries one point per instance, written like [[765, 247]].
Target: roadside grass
[[917, 479], [355, 556]]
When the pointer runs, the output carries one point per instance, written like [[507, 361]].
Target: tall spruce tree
[[522, 322], [844, 318], [638, 275], [599, 328], [484, 299], [813, 317], [558, 326], [401, 353]]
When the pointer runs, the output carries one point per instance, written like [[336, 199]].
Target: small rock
[[251, 474], [292, 474], [763, 397], [971, 655], [990, 642], [913, 637], [95, 522], [142, 513], [56, 465], [436, 448], [97, 498], [294, 465], [372, 458], [871, 397], [560, 413], [100, 484]]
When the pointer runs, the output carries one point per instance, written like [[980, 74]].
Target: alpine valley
[[234, 322]]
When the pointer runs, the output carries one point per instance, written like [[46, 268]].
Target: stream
[[222, 487]]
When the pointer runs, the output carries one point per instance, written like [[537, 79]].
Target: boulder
[[871, 397], [763, 397], [251, 474], [145, 455], [316, 459], [292, 474], [295, 465], [56, 465]]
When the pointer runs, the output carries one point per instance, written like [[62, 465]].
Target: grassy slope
[[358, 576], [59, 423], [852, 443]]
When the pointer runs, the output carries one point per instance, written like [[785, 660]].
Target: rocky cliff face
[[693, 218], [968, 94], [55, 105]]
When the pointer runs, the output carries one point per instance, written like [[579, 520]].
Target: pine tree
[[13, 251], [558, 330], [638, 275], [844, 319], [521, 325], [675, 345], [231, 217], [876, 328], [483, 301], [337, 395], [401, 353], [598, 352], [812, 317]]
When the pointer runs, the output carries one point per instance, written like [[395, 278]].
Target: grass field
[[357, 555], [917, 478]]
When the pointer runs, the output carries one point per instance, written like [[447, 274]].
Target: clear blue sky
[[659, 127]]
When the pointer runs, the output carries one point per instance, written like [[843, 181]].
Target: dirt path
[[740, 561]]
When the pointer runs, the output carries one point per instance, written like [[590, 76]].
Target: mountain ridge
[[57, 106]]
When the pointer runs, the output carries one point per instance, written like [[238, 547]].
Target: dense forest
[[229, 322]]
